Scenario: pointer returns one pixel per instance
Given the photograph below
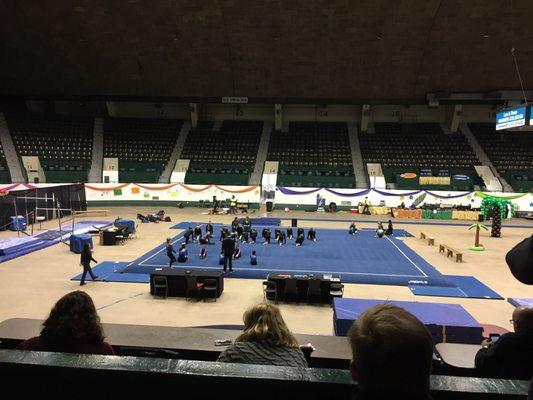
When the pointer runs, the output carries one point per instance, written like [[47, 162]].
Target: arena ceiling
[[358, 49]]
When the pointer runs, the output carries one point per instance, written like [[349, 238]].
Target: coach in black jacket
[[228, 247], [512, 355]]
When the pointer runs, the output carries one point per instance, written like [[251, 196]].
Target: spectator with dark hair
[[266, 340], [511, 356], [73, 326], [392, 352]]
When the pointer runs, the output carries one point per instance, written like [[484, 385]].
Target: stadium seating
[[5, 176], [313, 154], [510, 152], [142, 146], [63, 144], [409, 152], [223, 157]]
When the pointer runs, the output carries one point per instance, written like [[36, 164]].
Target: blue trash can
[[77, 242], [17, 223]]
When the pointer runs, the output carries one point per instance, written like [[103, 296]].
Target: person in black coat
[[85, 261], [228, 248], [224, 233], [511, 356]]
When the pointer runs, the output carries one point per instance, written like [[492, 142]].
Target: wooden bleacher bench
[[431, 239], [450, 251]]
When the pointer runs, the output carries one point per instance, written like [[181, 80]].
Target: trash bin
[[269, 205]]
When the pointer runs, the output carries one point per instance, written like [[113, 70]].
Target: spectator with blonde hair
[[392, 353], [266, 340]]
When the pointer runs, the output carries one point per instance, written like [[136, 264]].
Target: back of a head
[[72, 319], [392, 352], [264, 322], [523, 320]]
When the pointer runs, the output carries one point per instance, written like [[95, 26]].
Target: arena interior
[[399, 132]]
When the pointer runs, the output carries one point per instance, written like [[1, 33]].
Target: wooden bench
[[431, 239], [450, 251]]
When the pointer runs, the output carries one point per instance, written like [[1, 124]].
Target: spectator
[[392, 353], [72, 327], [266, 340], [512, 355]]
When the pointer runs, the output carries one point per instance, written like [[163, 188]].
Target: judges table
[[458, 355], [190, 343], [177, 282], [302, 284]]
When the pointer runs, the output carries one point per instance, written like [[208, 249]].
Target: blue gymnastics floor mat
[[357, 259], [463, 286], [521, 301], [111, 271], [15, 247]]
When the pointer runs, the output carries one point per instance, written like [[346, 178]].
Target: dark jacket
[[264, 353], [228, 247], [510, 357], [86, 258], [39, 344]]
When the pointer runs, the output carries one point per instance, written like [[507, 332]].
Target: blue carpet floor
[[360, 259], [463, 286]]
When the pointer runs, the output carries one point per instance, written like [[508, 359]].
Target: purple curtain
[[448, 197], [383, 193], [285, 190], [353, 194]]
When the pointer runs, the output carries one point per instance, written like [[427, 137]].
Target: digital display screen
[[511, 118]]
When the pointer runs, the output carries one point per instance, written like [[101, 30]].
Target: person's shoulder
[[30, 344]]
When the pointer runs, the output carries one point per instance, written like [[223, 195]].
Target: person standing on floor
[[170, 253], [86, 258], [228, 248], [233, 204], [209, 228]]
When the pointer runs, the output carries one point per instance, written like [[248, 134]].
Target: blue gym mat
[[463, 286], [447, 322], [357, 259], [111, 271], [16, 247], [517, 302]]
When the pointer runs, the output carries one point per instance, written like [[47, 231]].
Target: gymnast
[[289, 233], [282, 238], [236, 252], [389, 230], [197, 233], [240, 231], [203, 252], [253, 258], [183, 255], [380, 232], [223, 233], [187, 235], [300, 240], [300, 231], [253, 235], [311, 235], [352, 230], [266, 235]]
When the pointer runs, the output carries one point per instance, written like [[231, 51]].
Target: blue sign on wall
[[511, 118]]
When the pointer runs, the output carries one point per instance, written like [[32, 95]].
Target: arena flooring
[[29, 285]]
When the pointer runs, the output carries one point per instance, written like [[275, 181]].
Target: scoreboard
[[512, 118]]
